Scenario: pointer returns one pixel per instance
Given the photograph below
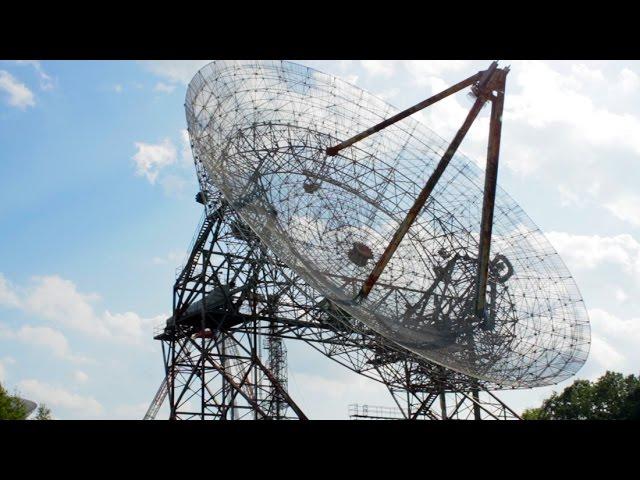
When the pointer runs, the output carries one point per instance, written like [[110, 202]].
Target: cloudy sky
[[97, 210]]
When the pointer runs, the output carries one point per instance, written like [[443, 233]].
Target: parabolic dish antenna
[[262, 129]]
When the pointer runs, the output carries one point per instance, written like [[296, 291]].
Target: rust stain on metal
[[332, 151], [488, 81], [490, 184]]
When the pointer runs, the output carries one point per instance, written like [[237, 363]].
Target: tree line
[[611, 397], [12, 408]]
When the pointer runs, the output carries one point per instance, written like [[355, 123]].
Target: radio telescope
[[377, 225]]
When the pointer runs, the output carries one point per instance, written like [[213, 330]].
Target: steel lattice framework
[[235, 306], [263, 133]]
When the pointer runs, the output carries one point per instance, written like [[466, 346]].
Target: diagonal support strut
[[332, 151], [483, 90], [490, 185]]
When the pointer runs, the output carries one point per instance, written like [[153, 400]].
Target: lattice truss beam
[[235, 305], [473, 405]]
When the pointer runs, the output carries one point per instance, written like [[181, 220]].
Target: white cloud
[[604, 356], [621, 295], [615, 341], [176, 71], [58, 300], [574, 194], [80, 377], [584, 72], [59, 397], [612, 326], [8, 295], [352, 78], [42, 337], [328, 396], [46, 82], [344, 65], [151, 158], [54, 298], [117, 88], [18, 93], [129, 326], [628, 81], [591, 251], [186, 156], [45, 337], [573, 126], [383, 68], [522, 160], [626, 207], [420, 71], [389, 94], [164, 88], [568, 197], [164, 164], [548, 97]]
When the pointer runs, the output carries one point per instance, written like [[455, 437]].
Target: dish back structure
[[261, 130]]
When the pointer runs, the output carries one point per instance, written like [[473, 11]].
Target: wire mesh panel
[[261, 130]]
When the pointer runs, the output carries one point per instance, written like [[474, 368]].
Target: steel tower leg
[[215, 349], [225, 366]]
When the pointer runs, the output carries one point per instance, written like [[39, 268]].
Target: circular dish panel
[[261, 128]]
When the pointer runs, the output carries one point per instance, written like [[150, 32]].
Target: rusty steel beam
[[332, 151], [421, 199], [488, 80], [490, 184]]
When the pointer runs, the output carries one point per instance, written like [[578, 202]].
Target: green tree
[[612, 397], [43, 413], [532, 414], [11, 407]]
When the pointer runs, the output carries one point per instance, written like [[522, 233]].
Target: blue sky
[[97, 210]]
